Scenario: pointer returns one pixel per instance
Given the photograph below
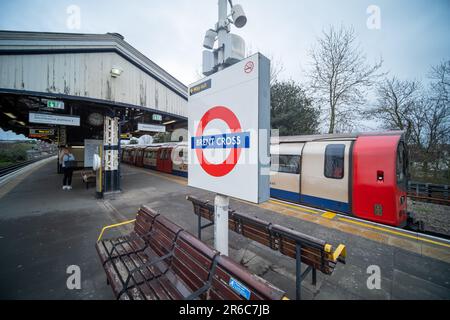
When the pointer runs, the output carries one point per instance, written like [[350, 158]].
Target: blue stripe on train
[[150, 167], [285, 195], [180, 173], [315, 201]]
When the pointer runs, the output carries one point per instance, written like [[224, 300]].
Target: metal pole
[[222, 32], [221, 203]]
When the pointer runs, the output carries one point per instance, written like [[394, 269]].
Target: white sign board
[[46, 118], [229, 131], [151, 127], [90, 149]]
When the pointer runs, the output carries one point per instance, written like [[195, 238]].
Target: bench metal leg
[[199, 227], [314, 277], [298, 271]]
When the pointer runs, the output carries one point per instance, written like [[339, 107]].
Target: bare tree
[[340, 76], [396, 100], [440, 75], [276, 67], [423, 113]]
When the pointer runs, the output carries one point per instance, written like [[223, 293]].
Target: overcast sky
[[413, 36]]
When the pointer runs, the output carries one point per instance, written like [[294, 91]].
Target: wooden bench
[[160, 261], [315, 253], [88, 177]]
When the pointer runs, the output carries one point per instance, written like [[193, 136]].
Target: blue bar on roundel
[[222, 141]]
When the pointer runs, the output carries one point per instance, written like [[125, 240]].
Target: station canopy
[[85, 76]]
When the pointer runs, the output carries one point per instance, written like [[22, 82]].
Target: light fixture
[[238, 15], [10, 115], [169, 122], [210, 39], [21, 123], [116, 72]]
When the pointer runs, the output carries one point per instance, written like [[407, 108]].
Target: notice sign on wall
[[229, 131], [151, 128], [46, 118], [90, 149]]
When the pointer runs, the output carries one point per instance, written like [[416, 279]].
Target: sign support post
[[227, 112], [221, 206], [221, 202]]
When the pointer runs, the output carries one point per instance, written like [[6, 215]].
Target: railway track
[[17, 166], [441, 201]]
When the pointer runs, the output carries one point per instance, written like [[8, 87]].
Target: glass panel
[[401, 164], [334, 161], [285, 164]]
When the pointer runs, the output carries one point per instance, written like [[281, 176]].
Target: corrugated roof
[[26, 41]]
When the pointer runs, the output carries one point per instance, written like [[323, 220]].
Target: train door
[[285, 171], [159, 159], [164, 162], [326, 174], [140, 157]]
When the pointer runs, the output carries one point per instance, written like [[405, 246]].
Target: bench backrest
[[144, 221], [312, 252], [192, 261], [162, 235], [231, 281], [252, 228]]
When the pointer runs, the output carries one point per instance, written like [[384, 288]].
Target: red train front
[[380, 179]]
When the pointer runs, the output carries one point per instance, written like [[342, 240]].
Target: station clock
[[95, 119]]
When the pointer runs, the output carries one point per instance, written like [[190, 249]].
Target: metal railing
[[428, 192]]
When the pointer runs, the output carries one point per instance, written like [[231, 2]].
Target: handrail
[[114, 226]]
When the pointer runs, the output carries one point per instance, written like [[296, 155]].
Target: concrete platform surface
[[44, 230]]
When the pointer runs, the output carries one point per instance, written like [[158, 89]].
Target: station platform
[[44, 230]]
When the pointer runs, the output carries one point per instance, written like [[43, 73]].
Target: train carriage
[[363, 175]]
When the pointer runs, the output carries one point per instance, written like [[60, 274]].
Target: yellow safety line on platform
[[401, 234], [329, 215], [394, 232], [113, 226], [294, 206]]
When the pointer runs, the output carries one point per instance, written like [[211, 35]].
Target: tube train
[[361, 175]]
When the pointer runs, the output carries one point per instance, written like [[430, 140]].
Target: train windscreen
[[402, 165]]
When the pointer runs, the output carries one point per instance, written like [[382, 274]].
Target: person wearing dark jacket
[[67, 167]]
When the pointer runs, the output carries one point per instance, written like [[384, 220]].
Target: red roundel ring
[[226, 115]]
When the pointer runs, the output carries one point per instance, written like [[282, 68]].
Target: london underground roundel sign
[[227, 115], [235, 140]]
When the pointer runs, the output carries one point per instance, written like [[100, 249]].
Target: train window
[[166, 154], [334, 161], [401, 166], [285, 164]]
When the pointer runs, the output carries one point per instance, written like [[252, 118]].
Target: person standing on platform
[[67, 166]]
